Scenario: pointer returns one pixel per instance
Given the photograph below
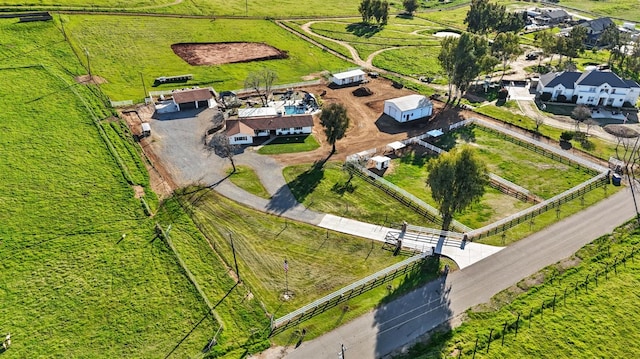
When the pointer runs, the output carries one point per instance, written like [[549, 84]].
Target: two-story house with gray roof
[[593, 87]]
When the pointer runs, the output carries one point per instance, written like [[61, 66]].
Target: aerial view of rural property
[[359, 179]]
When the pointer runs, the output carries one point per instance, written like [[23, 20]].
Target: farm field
[[262, 243], [84, 275], [116, 42], [595, 308], [332, 190]]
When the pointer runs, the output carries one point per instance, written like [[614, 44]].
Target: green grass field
[[596, 320], [289, 144], [331, 190], [247, 179], [262, 242], [123, 47], [74, 286]]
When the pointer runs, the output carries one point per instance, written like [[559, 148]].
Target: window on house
[[241, 138], [593, 89], [590, 99], [297, 128], [613, 91]]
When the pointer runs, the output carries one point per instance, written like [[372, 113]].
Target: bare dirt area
[[218, 53], [159, 178], [90, 80], [369, 128]]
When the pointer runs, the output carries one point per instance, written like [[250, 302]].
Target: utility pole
[[286, 278], [86, 52], [246, 8], [144, 87], [342, 350], [631, 176]]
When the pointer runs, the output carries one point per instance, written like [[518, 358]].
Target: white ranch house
[[194, 98], [408, 108], [349, 77], [595, 88], [243, 131]]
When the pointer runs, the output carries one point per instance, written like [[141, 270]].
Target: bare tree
[[580, 114], [221, 145], [624, 135], [261, 82], [590, 122]]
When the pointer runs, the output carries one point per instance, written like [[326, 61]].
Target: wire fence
[[518, 319], [344, 294]]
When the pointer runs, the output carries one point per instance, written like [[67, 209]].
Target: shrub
[[567, 135], [545, 96], [503, 93], [574, 98], [562, 98]]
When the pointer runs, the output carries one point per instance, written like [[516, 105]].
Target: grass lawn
[[410, 173], [319, 261], [581, 325], [289, 144], [73, 285], [247, 179], [122, 47], [596, 147], [421, 60], [331, 190]]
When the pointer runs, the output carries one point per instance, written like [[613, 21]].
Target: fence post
[[475, 348], [565, 297], [504, 332], [517, 324], [554, 302], [586, 284], [489, 342], [530, 317]]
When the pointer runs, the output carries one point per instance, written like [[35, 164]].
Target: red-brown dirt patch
[[218, 53]]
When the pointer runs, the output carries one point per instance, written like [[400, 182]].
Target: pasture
[[85, 275], [124, 48]]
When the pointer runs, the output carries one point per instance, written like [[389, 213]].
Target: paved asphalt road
[[402, 321]]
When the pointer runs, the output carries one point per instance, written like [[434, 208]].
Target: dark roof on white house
[[267, 123], [555, 14], [631, 83], [567, 79], [589, 78], [598, 25], [597, 78]]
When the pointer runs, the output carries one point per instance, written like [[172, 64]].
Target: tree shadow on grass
[[362, 29], [296, 191]]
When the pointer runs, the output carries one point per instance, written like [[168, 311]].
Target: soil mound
[[362, 91]]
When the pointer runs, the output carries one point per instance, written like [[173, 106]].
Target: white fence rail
[[121, 103]]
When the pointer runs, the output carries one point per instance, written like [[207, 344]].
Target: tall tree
[[575, 41], [365, 10], [410, 6], [546, 42], [468, 61], [261, 82], [615, 40], [457, 179], [447, 60], [505, 47], [484, 17], [335, 121]]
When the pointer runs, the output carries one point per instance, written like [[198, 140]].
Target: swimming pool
[[294, 110]]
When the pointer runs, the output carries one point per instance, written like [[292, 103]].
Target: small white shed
[[381, 162], [348, 77], [408, 108], [146, 129]]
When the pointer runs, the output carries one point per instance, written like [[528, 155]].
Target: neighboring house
[[194, 98], [408, 108], [243, 131], [348, 78], [594, 30], [593, 87], [552, 16]]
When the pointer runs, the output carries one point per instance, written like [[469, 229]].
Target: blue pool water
[[293, 110]]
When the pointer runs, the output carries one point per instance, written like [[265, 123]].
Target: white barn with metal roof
[[408, 108], [348, 77]]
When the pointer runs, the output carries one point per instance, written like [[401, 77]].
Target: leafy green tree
[[335, 121], [546, 42], [484, 17], [575, 41], [447, 60], [615, 40], [365, 10], [410, 6], [457, 179], [510, 22], [505, 47], [468, 57]]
